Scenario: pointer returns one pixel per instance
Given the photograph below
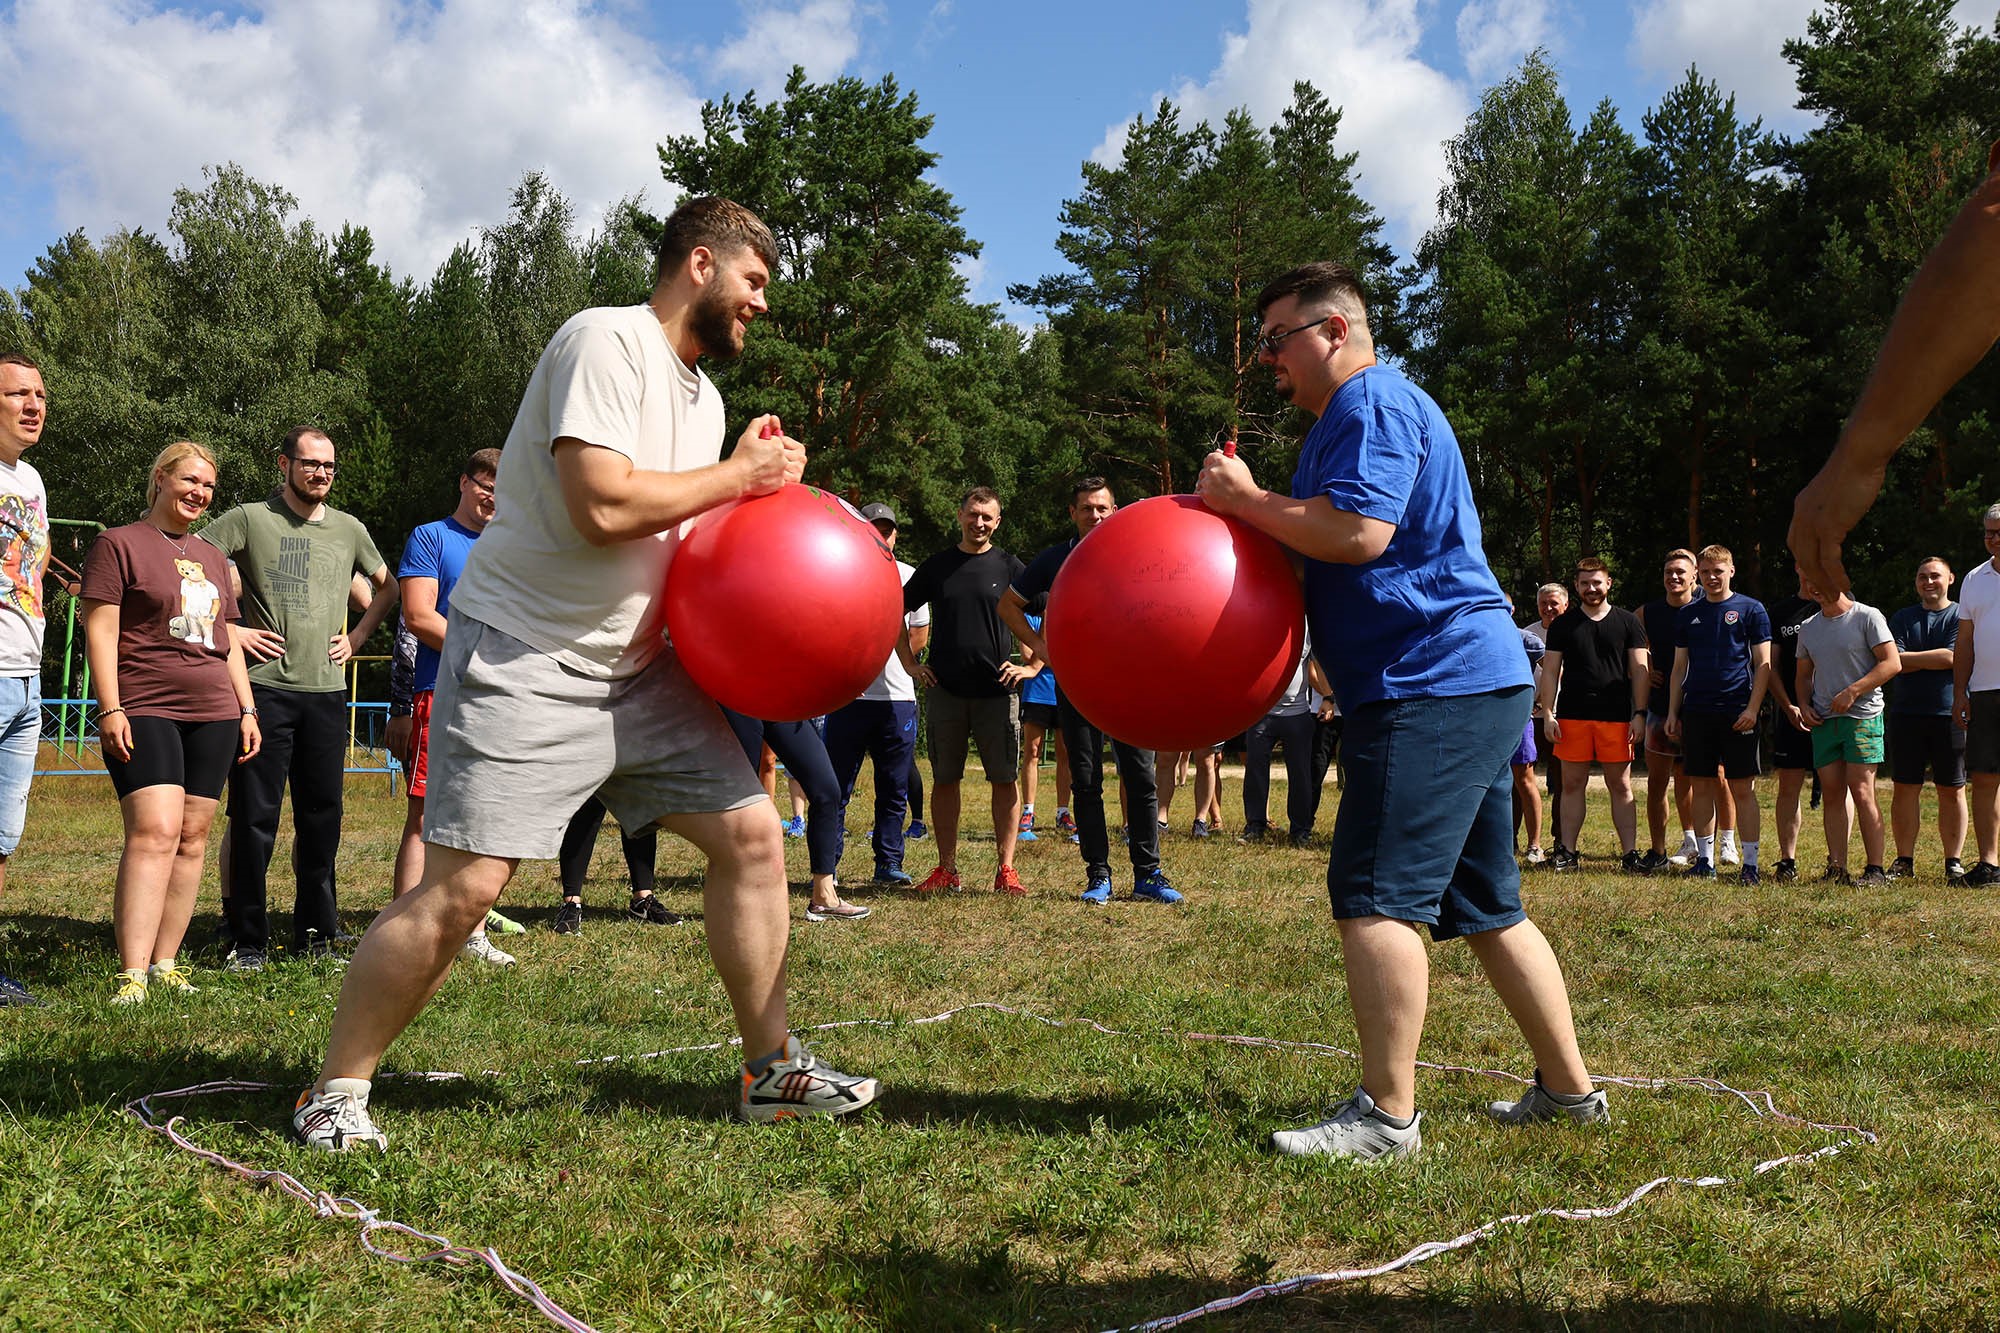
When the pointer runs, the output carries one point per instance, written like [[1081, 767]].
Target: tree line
[[1644, 341]]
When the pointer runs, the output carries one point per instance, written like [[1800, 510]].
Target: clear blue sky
[[416, 118]]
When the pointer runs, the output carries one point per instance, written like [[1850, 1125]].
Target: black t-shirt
[[1040, 575], [1786, 617], [968, 642], [1596, 663]]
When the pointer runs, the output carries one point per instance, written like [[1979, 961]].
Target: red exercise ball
[[1171, 627], [785, 606]]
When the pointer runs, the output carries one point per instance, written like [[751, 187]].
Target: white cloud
[[1494, 35], [1362, 54], [824, 36], [414, 119], [1739, 44]]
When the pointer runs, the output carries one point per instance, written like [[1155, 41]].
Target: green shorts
[[1853, 740]]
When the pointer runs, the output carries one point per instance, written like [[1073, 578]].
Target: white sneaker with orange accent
[[796, 1084]]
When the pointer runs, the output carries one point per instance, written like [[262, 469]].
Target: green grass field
[[1016, 1175]]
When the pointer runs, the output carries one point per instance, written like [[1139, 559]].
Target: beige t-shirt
[[608, 378]]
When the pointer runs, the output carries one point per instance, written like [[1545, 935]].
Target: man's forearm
[[387, 594]]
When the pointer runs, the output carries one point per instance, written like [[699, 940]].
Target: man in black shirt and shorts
[[972, 684], [1921, 735], [1593, 691]]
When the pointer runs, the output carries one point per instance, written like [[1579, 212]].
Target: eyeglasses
[[485, 488], [1271, 342], [1991, 533], [326, 465]]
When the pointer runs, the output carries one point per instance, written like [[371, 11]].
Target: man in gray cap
[[882, 723]]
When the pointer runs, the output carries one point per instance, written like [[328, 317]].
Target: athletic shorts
[[1791, 747], [1982, 738], [416, 759], [1847, 740], [1605, 742], [1039, 715], [1657, 740], [518, 742], [1919, 743], [1525, 753], [992, 722], [194, 756], [1425, 830], [1709, 743]]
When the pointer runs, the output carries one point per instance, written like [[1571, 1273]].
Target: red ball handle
[[1229, 448]]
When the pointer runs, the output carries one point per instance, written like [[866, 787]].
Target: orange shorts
[[1606, 742]]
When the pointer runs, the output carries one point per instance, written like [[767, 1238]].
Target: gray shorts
[[992, 722], [519, 741]]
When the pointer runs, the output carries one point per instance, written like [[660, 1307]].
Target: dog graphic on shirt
[[200, 600]]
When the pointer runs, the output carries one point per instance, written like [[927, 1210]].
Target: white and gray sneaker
[[1538, 1103], [479, 949], [796, 1084], [336, 1118], [1357, 1132], [1684, 858]]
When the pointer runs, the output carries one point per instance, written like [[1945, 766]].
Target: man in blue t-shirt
[[1413, 631], [1921, 735], [432, 560], [1722, 670]]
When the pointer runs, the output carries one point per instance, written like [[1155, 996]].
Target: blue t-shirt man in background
[[1922, 738], [1722, 669], [1412, 628]]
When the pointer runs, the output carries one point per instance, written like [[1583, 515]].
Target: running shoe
[[796, 1084], [503, 925], [894, 876], [940, 881], [1563, 859], [648, 908], [1539, 1104], [13, 992], [479, 949], [1253, 833], [1954, 875], [1653, 863], [1685, 857], [130, 986], [917, 832], [1725, 851], [1872, 877], [795, 827], [837, 912], [569, 919], [1154, 888], [1749, 875], [1200, 829], [1701, 869], [1536, 856], [1027, 830], [1787, 871], [1007, 880], [1097, 892], [171, 975], [1902, 867], [1065, 823], [1835, 875], [1356, 1131], [244, 959], [1633, 863], [337, 1120], [1983, 875]]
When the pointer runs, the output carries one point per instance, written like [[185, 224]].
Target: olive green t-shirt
[[296, 575]]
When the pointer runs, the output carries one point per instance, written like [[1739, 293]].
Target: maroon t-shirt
[[173, 622]]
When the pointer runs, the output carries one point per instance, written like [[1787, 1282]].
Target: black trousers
[[1086, 794], [1295, 732], [305, 743], [642, 850]]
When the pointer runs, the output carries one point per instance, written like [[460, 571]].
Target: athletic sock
[[1704, 849], [1393, 1122], [763, 1062], [352, 1087], [164, 965], [1568, 1098], [1749, 856]]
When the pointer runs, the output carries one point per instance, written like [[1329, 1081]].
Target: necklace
[[180, 547]]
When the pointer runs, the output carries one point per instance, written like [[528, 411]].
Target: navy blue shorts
[[1425, 831]]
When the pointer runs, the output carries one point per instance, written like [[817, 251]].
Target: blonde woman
[[175, 708]]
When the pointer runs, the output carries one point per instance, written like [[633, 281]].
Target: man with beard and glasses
[[1593, 691], [297, 557], [556, 681]]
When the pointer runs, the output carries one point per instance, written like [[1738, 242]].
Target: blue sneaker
[[894, 876], [1155, 889], [1026, 835], [917, 831], [795, 827], [13, 992], [1099, 892], [1701, 869]]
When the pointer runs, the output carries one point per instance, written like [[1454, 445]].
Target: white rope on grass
[[1760, 1103]]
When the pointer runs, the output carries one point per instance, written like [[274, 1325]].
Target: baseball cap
[[879, 513]]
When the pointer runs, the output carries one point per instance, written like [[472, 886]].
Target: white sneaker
[[1536, 856], [1355, 1132], [479, 949], [1684, 858], [336, 1119], [1725, 851]]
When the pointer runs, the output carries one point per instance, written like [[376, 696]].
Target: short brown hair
[[1325, 283], [290, 448], [1679, 553], [481, 463], [978, 495], [1085, 485], [1935, 560], [1590, 564], [720, 226], [1718, 555], [18, 359]]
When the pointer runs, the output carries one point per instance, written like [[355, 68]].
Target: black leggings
[[194, 756], [803, 753], [642, 850]]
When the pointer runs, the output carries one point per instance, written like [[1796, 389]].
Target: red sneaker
[[1009, 882], [940, 881]]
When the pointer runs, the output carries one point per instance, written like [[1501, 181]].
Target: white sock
[[1704, 849], [1750, 855], [1687, 839], [352, 1087], [1729, 837]]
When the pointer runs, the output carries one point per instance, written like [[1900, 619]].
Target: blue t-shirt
[[1426, 618], [1923, 693], [1039, 689], [1718, 637], [436, 551]]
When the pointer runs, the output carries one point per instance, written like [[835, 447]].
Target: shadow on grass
[[907, 1287]]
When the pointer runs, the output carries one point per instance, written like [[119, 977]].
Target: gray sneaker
[[1355, 1132], [1537, 1104]]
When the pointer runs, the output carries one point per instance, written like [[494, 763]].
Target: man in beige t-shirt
[[555, 682]]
